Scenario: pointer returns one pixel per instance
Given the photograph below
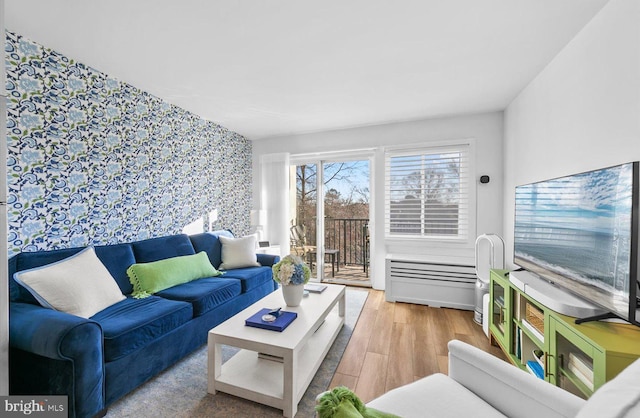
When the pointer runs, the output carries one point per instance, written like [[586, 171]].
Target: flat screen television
[[581, 233]]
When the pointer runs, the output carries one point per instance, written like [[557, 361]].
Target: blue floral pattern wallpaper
[[93, 160]]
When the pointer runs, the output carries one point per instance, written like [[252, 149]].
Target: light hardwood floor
[[397, 343]]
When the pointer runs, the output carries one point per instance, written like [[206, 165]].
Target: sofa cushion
[[79, 285], [250, 277], [149, 278], [436, 396], [238, 252], [134, 323], [155, 249], [204, 294], [209, 242], [117, 259], [618, 398]]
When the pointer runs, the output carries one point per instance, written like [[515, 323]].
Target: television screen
[[578, 232]]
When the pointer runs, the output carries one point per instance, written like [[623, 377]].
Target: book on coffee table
[[280, 323], [315, 288]]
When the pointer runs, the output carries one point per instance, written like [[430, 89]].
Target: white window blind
[[428, 192]]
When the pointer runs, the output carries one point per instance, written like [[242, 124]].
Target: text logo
[[34, 406]]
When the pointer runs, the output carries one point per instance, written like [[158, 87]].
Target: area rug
[[181, 391]]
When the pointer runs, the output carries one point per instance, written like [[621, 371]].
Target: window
[[428, 192]]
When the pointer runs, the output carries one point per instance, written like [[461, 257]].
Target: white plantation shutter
[[428, 192]]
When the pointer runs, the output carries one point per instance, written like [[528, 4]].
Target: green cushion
[[340, 402], [149, 278]]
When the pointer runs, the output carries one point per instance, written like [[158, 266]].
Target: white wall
[[582, 111], [486, 129]]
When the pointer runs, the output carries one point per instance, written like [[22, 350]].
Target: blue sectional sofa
[[98, 360]]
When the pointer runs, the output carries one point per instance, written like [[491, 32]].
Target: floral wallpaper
[[93, 160]]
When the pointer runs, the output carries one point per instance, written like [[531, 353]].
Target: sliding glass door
[[304, 214], [332, 232]]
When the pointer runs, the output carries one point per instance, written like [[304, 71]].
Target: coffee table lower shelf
[[248, 376]]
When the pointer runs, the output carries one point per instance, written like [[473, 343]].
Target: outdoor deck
[[348, 274]]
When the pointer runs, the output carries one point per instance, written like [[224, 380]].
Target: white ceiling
[[279, 67]]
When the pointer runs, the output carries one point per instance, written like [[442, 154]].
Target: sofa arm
[[268, 260], [510, 390], [619, 397], [58, 336]]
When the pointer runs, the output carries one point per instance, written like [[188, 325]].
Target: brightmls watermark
[[34, 406]]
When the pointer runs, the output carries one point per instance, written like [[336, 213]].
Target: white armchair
[[480, 385]]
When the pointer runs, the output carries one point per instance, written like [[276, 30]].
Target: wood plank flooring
[[396, 343]]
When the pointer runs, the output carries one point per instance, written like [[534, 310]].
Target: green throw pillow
[[149, 278], [340, 402]]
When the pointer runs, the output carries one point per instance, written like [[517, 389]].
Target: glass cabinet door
[[499, 304], [573, 361]]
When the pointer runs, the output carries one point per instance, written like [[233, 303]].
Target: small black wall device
[[484, 179]]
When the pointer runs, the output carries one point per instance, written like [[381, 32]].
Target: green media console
[[578, 358]]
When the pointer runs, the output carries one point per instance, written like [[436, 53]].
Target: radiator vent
[[432, 271], [449, 285]]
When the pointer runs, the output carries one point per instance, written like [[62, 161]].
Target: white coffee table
[[302, 346]]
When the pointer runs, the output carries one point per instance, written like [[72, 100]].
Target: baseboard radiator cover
[[450, 285]]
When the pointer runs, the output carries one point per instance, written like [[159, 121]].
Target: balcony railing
[[350, 237]]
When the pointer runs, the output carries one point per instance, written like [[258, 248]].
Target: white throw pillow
[[238, 252], [80, 285]]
